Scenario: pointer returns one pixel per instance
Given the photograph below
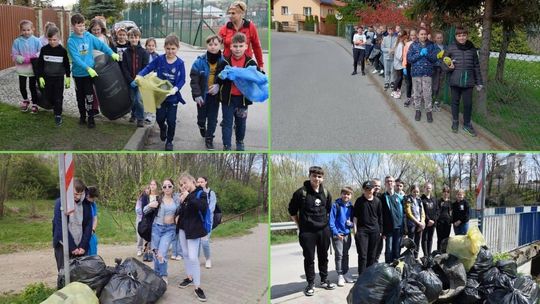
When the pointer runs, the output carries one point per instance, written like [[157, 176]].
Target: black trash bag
[[431, 282], [504, 296], [471, 294], [499, 276], [124, 288], [484, 261], [412, 267], [111, 88], [528, 287], [41, 100], [90, 270], [412, 292], [509, 267], [156, 286], [452, 274], [374, 285]]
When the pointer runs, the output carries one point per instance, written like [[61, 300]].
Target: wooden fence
[[11, 15]]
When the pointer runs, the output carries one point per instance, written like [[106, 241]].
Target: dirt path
[[240, 268]]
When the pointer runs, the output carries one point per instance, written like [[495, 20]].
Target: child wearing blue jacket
[[204, 88], [341, 224], [171, 68], [25, 48], [81, 45], [422, 55]]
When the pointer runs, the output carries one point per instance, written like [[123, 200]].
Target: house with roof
[[292, 14]]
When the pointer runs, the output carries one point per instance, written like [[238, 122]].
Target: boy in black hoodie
[[310, 209], [134, 59], [54, 72]]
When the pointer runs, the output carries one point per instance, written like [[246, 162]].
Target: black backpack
[[218, 215], [144, 228]]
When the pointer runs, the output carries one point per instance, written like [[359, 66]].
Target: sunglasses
[[167, 186]]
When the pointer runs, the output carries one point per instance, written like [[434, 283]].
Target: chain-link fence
[[192, 20]]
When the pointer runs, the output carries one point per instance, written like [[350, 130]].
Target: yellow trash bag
[[466, 247], [154, 91], [73, 293]]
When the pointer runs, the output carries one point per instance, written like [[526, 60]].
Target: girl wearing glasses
[[191, 229], [163, 227], [444, 224]]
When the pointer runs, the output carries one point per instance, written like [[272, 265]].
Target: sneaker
[[408, 102], [34, 109], [455, 126], [341, 281], [418, 115], [208, 264], [392, 85], [209, 144], [226, 148], [169, 146], [398, 94], [437, 106], [58, 120], [166, 280], [309, 290], [163, 133], [354, 73], [147, 121], [82, 120], [139, 253], [185, 283], [327, 285], [140, 123], [240, 146], [24, 105], [469, 130], [429, 117], [132, 119], [393, 94], [200, 294], [386, 86], [375, 72], [363, 73], [381, 72], [202, 130], [179, 257], [348, 278], [91, 122]]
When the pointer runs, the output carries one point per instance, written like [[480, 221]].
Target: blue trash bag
[[252, 83]]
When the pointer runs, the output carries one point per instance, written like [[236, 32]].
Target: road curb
[[137, 140]]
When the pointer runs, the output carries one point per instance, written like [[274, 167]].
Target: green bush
[[236, 198], [331, 19], [32, 294], [29, 174], [518, 41]]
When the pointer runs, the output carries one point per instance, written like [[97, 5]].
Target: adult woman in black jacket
[[190, 227], [464, 75], [444, 223]]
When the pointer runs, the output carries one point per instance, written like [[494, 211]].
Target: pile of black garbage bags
[[130, 281], [442, 278]]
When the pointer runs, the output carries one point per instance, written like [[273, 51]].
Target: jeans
[[137, 109], [319, 240], [237, 112], [388, 69], [166, 119], [393, 243], [457, 93], [191, 257], [366, 246], [205, 244], [341, 250], [176, 246], [208, 113], [162, 236], [461, 229]]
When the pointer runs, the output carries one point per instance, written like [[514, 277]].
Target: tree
[[385, 12], [5, 160]]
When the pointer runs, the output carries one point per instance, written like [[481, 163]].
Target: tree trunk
[[4, 169], [507, 32], [484, 54]]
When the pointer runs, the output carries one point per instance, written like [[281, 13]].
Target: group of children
[[423, 60], [53, 73]]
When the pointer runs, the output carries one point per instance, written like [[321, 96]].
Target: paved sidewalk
[[437, 135]]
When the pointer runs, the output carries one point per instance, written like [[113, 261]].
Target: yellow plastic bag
[[73, 293], [154, 91], [466, 247]]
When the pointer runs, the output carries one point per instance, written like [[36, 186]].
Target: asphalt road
[[318, 105]]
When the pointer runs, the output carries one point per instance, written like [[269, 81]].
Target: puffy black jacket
[[134, 59], [191, 214], [466, 73], [313, 208]]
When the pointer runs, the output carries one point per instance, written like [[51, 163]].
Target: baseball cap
[[368, 185]]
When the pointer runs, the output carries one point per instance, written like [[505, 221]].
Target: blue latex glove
[[133, 84], [405, 72], [423, 52]]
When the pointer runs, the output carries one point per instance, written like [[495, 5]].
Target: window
[[307, 11], [284, 10]]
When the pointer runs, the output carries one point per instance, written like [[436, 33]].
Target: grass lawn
[[20, 231], [29, 132], [283, 237]]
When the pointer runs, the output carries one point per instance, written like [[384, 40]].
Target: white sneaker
[[139, 253], [340, 281], [381, 72], [397, 95], [166, 280], [374, 72], [348, 278], [208, 264], [393, 94]]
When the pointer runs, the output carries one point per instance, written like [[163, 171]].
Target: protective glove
[[19, 59], [133, 84], [423, 52], [479, 87], [405, 72], [440, 54], [447, 61], [91, 72], [213, 89], [115, 57], [199, 100], [67, 82], [41, 82], [173, 91]]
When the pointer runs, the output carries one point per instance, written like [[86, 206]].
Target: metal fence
[[191, 20]]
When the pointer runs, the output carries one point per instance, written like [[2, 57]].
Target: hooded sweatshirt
[[339, 215], [313, 209], [28, 48], [80, 49]]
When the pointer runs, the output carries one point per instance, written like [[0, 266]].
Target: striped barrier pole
[[66, 171], [480, 190]]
